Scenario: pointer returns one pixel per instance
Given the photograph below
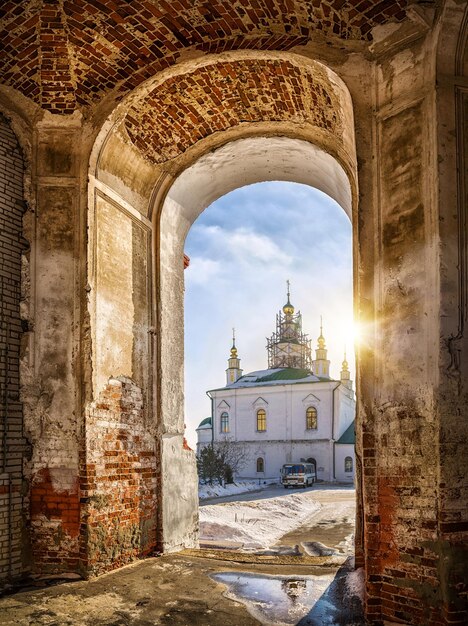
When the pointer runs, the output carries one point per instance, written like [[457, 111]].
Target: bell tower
[[345, 376], [321, 365], [233, 371]]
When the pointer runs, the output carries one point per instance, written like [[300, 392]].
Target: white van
[[298, 475]]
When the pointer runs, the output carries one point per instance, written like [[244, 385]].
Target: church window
[[260, 464], [261, 420], [224, 422], [311, 418], [348, 464]]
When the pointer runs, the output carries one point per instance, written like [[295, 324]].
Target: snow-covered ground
[[241, 486], [255, 524]]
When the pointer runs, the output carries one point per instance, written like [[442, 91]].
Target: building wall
[[345, 410], [11, 417], [286, 438], [285, 407], [275, 454]]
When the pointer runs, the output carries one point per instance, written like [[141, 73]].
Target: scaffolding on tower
[[288, 346]]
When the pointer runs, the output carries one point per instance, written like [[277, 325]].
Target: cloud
[[240, 245], [203, 271]]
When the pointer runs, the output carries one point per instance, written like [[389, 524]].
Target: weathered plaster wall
[[122, 245], [12, 443], [50, 376], [178, 494], [399, 421]]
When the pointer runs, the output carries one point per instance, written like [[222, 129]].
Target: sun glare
[[353, 334]]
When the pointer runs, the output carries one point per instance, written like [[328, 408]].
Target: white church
[[290, 412]]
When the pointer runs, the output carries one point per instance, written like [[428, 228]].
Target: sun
[[353, 334]]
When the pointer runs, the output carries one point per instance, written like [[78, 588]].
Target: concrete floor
[[178, 590], [211, 587]]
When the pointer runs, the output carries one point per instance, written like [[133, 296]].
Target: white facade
[[286, 414]]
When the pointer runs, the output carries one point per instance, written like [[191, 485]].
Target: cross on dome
[[288, 308]]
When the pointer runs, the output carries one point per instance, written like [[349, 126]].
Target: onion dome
[[321, 338], [288, 308]]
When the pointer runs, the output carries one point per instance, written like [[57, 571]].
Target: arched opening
[[243, 161], [142, 210], [224, 422]]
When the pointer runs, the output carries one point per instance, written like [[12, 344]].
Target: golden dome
[[321, 338], [345, 364], [288, 308], [233, 349]]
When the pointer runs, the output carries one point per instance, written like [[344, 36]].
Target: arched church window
[[261, 420], [224, 422], [348, 464], [311, 418], [260, 464]]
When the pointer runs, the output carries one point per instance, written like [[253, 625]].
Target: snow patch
[[241, 486], [255, 524]]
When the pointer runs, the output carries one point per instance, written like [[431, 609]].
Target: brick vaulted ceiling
[[191, 107], [66, 54]]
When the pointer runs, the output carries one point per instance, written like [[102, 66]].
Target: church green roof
[[349, 435], [276, 376], [288, 373], [205, 422]]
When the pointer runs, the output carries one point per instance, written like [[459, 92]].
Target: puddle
[[287, 600]]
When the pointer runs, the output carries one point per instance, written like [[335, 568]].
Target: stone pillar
[[178, 481], [451, 400], [402, 433], [51, 379]]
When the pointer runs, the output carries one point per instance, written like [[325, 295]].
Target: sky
[[242, 250]]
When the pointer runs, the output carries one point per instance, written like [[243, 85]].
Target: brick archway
[[188, 138]]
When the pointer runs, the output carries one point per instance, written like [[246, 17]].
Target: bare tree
[[234, 456], [222, 460]]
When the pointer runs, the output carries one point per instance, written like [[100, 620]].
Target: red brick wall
[[55, 520], [12, 443], [118, 480]]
